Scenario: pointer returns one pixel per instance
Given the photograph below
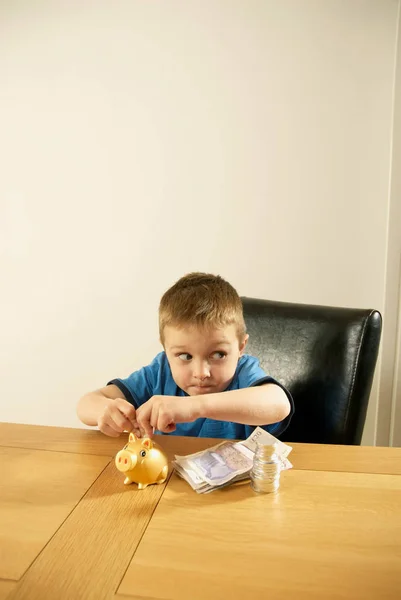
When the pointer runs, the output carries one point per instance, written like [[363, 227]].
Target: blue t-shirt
[[156, 379]]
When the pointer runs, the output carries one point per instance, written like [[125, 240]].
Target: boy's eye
[[219, 355], [185, 356]]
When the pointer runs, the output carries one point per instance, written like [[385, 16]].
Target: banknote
[[220, 464], [205, 488], [264, 437], [226, 462]]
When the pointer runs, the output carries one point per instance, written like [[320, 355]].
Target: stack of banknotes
[[227, 462]]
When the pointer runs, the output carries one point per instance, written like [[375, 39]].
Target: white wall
[[389, 414], [143, 140]]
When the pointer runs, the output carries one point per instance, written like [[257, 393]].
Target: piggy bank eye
[[143, 453]]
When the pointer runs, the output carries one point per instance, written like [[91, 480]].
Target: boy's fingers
[[120, 420], [106, 429], [127, 410], [165, 424], [135, 429], [106, 422], [142, 431], [137, 432], [143, 419], [147, 429]]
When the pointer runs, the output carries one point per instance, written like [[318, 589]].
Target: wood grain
[[5, 588], [91, 551], [324, 535], [317, 457], [87, 441], [38, 490], [354, 459], [327, 534], [58, 439]]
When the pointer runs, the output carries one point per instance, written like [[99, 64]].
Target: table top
[[70, 529]]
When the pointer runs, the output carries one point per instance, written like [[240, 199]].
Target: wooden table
[[70, 529]]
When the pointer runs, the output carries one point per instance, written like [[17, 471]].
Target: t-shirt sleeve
[[251, 374], [141, 385]]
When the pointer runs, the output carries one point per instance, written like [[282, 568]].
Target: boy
[[202, 384]]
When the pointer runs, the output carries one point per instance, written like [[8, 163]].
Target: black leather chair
[[325, 356]]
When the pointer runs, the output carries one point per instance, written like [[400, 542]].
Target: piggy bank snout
[[125, 461]]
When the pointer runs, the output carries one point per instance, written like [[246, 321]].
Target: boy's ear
[[147, 443], [132, 437], [243, 344]]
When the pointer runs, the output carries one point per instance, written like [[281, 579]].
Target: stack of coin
[[265, 472]]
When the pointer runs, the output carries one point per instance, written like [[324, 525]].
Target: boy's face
[[203, 360]]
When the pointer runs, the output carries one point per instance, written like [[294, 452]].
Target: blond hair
[[204, 300]]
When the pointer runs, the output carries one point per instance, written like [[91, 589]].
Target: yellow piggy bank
[[142, 461]]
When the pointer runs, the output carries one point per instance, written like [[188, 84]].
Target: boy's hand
[[117, 416], [163, 412]]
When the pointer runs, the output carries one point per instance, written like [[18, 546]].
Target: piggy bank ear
[[147, 443], [132, 437]]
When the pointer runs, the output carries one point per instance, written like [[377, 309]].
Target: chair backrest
[[325, 356]]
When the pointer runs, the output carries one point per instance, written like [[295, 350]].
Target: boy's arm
[[109, 410], [260, 405]]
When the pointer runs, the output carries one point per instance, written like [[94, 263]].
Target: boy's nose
[[201, 371]]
